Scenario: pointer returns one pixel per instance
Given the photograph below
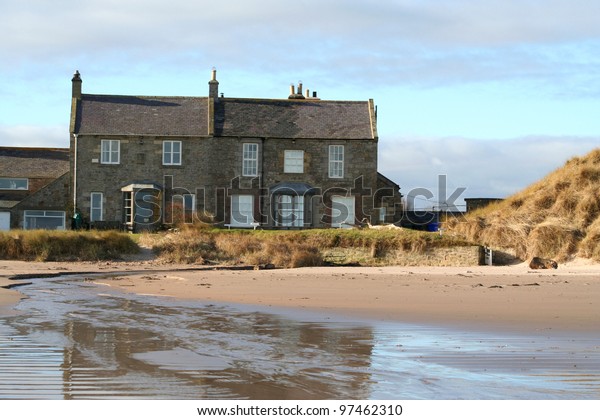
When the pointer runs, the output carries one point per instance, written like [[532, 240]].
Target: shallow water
[[76, 340]]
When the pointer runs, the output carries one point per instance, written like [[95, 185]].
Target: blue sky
[[494, 94]]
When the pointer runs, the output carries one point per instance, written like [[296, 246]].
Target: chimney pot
[[296, 93], [213, 85]]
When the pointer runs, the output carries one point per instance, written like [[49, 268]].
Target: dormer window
[[14, 184]]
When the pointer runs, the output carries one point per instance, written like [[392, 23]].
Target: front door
[[4, 220], [242, 210], [342, 212], [290, 211], [142, 208]]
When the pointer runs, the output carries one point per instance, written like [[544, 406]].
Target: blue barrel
[[433, 227]]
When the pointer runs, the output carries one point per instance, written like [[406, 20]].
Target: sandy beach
[[514, 297]]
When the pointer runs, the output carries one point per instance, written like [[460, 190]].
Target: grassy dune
[[44, 245], [557, 217], [284, 248]]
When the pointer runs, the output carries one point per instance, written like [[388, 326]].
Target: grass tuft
[[44, 245]]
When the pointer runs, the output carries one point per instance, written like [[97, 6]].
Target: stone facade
[[238, 162], [53, 196]]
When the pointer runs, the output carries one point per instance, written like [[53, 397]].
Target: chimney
[[77, 82], [213, 85], [296, 94]]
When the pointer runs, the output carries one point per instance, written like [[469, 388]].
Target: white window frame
[[128, 207], [293, 161], [32, 214], [250, 159], [96, 208], [110, 153], [172, 157], [336, 161], [14, 184]]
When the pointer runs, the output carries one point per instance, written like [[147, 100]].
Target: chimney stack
[[77, 82], [296, 94], [213, 85]]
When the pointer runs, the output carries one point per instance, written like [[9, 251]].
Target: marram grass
[[557, 217], [44, 245], [288, 249]]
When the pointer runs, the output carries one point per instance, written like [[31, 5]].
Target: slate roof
[[22, 162], [293, 119], [142, 115], [188, 116]]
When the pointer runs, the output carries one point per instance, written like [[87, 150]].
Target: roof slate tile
[[23, 162], [188, 116]]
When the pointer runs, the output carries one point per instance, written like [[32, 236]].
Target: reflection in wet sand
[[75, 340]]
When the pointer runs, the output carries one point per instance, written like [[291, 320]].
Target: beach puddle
[[78, 340]]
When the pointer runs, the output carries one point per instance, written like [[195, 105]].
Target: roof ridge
[[227, 99], [110, 95], [57, 149]]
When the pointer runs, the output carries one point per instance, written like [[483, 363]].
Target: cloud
[[349, 41], [486, 168], [472, 68], [181, 23], [34, 136]]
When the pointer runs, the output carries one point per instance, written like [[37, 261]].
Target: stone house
[[299, 162], [34, 188]]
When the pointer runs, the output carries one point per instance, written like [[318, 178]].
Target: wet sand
[[8, 297], [512, 298]]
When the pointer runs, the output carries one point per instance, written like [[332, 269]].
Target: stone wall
[[459, 256], [211, 169], [53, 196]]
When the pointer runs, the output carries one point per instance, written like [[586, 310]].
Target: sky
[[488, 95]]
